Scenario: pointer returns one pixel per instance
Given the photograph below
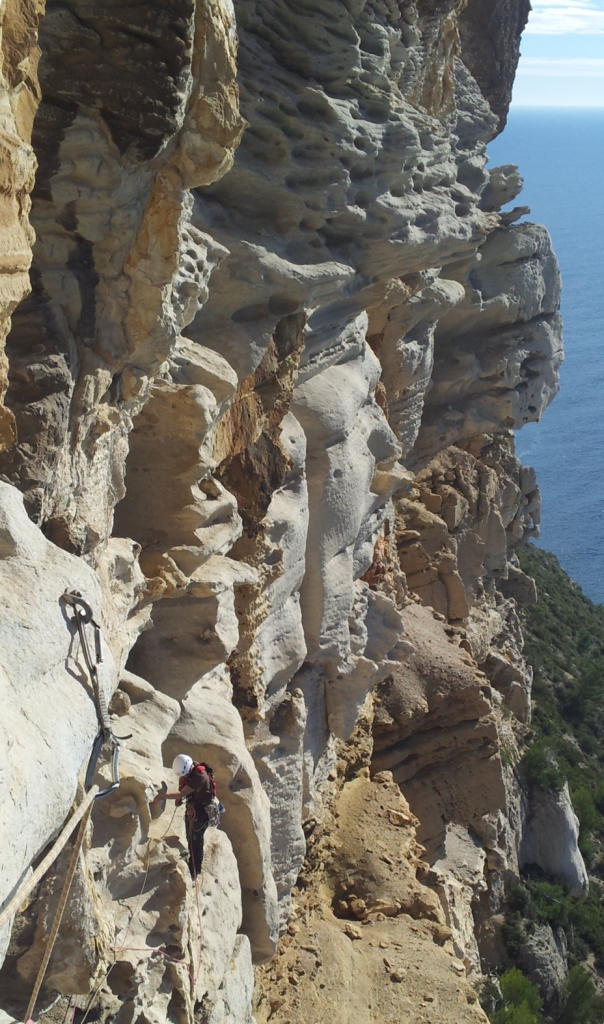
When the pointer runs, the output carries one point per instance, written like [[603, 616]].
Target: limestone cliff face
[[262, 383]]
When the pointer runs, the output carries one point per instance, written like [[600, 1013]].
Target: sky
[[562, 55]]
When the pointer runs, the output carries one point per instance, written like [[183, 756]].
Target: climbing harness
[[81, 614]]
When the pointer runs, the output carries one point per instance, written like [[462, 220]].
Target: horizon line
[[557, 106]]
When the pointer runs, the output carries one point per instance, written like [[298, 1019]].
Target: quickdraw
[[82, 615]]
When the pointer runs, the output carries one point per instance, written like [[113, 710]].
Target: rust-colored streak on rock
[[253, 463]]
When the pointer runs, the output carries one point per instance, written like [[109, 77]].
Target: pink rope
[[150, 952]]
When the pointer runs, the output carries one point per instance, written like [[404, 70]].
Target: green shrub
[[521, 1000], [599, 796], [513, 935], [588, 923], [518, 898], [579, 1001], [589, 820], [550, 903], [588, 743], [539, 901], [585, 808], [567, 752], [516, 1015], [540, 767]]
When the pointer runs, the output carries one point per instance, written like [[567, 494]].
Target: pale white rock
[[194, 364], [279, 646], [277, 744], [459, 877], [359, 206], [49, 720], [376, 628], [503, 185], [193, 631], [543, 957], [149, 719], [233, 1005], [512, 293], [125, 612], [215, 919], [348, 442], [210, 729], [140, 868], [549, 839], [404, 341]]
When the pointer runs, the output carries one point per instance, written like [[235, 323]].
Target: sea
[[560, 153]]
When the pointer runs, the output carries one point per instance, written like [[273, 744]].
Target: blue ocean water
[[560, 153]]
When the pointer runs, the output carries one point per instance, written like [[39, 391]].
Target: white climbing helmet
[[182, 764]]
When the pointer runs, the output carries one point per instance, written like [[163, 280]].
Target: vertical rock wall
[[260, 411]]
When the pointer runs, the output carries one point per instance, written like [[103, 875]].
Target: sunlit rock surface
[[261, 388]]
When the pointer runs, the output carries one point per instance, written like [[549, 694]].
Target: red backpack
[[198, 771]]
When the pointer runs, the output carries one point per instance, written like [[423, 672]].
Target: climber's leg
[[196, 832]]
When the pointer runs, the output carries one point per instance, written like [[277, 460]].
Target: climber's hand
[[160, 795]]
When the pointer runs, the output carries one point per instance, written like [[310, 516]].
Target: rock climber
[[196, 786]]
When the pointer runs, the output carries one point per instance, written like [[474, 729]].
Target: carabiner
[[81, 608]]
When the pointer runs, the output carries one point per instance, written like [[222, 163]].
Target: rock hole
[[250, 314], [120, 977]]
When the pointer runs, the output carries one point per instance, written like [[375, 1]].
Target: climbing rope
[[82, 615], [28, 886], [122, 946], [56, 924], [194, 977]]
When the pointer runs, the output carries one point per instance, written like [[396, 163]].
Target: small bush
[[579, 1001], [516, 1015], [589, 820], [550, 904], [599, 797], [521, 1000], [518, 898], [540, 767], [588, 923], [513, 935]]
